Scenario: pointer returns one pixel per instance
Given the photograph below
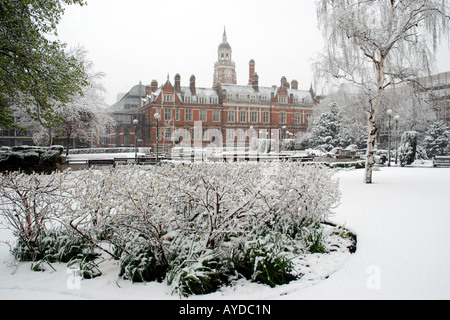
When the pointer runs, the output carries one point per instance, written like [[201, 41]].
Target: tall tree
[[35, 71], [84, 117], [378, 43]]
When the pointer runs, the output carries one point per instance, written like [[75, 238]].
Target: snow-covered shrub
[[28, 202], [85, 265], [200, 273], [408, 148], [298, 197], [139, 263], [185, 223], [53, 245], [437, 140], [266, 260], [31, 159]]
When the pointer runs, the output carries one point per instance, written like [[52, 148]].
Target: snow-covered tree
[[408, 148], [437, 139], [325, 132], [375, 44], [35, 71], [84, 117]]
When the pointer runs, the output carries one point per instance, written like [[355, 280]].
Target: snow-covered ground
[[403, 252]]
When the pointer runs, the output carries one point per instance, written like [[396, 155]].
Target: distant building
[[130, 100], [227, 110], [435, 90]]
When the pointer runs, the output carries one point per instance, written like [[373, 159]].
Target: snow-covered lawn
[[403, 252]]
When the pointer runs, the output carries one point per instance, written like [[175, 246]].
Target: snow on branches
[[192, 223]]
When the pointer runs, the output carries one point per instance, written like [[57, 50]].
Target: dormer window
[[201, 100], [282, 100], [214, 100], [168, 98]]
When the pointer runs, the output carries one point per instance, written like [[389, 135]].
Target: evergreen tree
[[408, 148], [437, 139], [325, 132]]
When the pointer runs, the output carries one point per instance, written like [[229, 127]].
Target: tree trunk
[[370, 156], [68, 144]]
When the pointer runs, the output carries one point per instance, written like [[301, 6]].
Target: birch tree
[[379, 43]]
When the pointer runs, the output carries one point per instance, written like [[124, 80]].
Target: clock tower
[[224, 68]]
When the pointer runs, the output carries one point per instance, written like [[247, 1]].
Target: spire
[[224, 37]]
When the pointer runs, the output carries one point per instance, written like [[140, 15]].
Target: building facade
[[435, 90], [225, 114]]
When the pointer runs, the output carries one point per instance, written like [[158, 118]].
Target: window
[[254, 116], [177, 114], [282, 100], [188, 115], [168, 98], [242, 116], [167, 133], [201, 100], [187, 99], [230, 134], [266, 117], [214, 100], [216, 115], [202, 116], [283, 117], [297, 118], [231, 115], [167, 114]]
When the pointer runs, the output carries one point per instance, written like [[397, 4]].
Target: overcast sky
[[142, 40]]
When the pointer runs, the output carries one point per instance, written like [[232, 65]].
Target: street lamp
[[396, 119], [157, 117], [135, 122], [389, 113]]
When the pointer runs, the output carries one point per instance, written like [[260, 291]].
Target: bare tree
[[376, 44]]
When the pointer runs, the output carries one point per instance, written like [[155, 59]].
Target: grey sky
[[141, 40]]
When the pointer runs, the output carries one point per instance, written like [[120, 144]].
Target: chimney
[[177, 83], [255, 80], [283, 82], [148, 90], [251, 71], [192, 86], [294, 84], [154, 85]]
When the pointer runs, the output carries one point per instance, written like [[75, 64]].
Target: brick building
[[225, 114]]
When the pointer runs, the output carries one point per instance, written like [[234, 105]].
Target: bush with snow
[[31, 158], [197, 226], [437, 140]]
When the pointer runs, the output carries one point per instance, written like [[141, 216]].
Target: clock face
[[228, 72]]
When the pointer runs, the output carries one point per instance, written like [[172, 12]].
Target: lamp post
[[389, 113], [396, 119], [135, 122], [157, 117]]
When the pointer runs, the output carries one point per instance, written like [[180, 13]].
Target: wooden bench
[[441, 161]]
